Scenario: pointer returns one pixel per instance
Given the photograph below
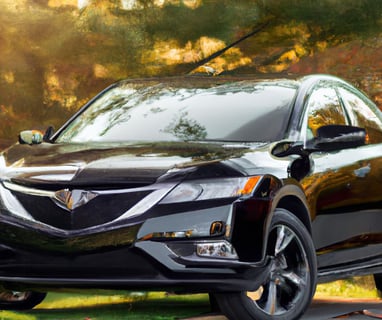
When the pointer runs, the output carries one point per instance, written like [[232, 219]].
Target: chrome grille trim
[[31, 191], [12, 204]]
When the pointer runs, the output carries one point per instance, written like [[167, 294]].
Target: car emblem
[[70, 200]]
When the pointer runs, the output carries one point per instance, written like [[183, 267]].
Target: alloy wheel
[[288, 276]]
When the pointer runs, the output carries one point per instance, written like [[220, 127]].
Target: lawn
[[151, 306], [156, 306]]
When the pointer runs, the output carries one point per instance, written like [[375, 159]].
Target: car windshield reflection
[[172, 114]]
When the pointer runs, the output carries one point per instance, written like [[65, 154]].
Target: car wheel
[[289, 287], [15, 300]]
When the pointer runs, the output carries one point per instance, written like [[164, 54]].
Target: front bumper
[[153, 255], [155, 250], [126, 269]]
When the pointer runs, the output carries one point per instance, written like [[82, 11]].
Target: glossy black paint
[[90, 214]]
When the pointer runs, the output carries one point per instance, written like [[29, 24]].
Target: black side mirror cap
[[329, 138], [337, 137]]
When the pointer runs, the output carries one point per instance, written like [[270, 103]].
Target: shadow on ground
[[164, 309]]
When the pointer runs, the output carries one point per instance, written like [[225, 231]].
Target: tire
[[288, 290], [12, 300], [213, 303]]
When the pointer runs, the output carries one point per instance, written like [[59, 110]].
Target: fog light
[[221, 249], [168, 234]]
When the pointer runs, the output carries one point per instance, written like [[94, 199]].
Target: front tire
[[15, 300], [288, 289]]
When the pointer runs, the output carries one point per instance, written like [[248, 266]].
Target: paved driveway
[[331, 309], [344, 309]]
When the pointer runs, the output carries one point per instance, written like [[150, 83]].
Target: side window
[[324, 108], [364, 113]]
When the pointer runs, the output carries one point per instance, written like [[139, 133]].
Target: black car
[[251, 190]]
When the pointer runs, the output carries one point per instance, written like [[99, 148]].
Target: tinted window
[[324, 108], [245, 113], [365, 114]]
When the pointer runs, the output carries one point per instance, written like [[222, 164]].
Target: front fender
[[252, 216]]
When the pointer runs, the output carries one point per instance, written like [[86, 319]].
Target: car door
[[364, 114], [346, 212]]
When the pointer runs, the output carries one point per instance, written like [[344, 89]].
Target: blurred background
[[57, 54]]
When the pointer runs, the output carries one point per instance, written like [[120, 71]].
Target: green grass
[[151, 306], [157, 306], [357, 287]]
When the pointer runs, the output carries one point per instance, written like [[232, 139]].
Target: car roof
[[197, 81], [232, 81]]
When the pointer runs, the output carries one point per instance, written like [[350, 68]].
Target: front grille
[[103, 208]]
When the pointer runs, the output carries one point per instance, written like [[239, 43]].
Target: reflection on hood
[[109, 163]]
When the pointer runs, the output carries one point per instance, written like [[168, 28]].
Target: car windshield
[[245, 112]]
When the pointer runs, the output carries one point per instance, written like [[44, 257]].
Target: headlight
[[212, 189], [3, 166]]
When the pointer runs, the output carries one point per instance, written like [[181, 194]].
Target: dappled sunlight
[[358, 287], [82, 301], [193, 4], [12, 5], [9, 77], [136, 5], [230, 60], [63, 3], [9, 315], [124, 4], [56, 55], [142, 306], [285, 60], [100, 71], [56, 91], [170, 53]]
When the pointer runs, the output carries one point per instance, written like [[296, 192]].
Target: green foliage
[[56, 56], [186, 129], [216, 19], [334, 18], [358, 287]]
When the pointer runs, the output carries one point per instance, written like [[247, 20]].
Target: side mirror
[[337, 137], [299, 167], [30, 137], [329, 138], [287, 148], [35, 136]]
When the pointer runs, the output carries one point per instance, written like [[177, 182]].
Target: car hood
[[103, 165]]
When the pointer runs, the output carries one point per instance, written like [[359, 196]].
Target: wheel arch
[[252, 218], [291, 198], [297, 207]]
